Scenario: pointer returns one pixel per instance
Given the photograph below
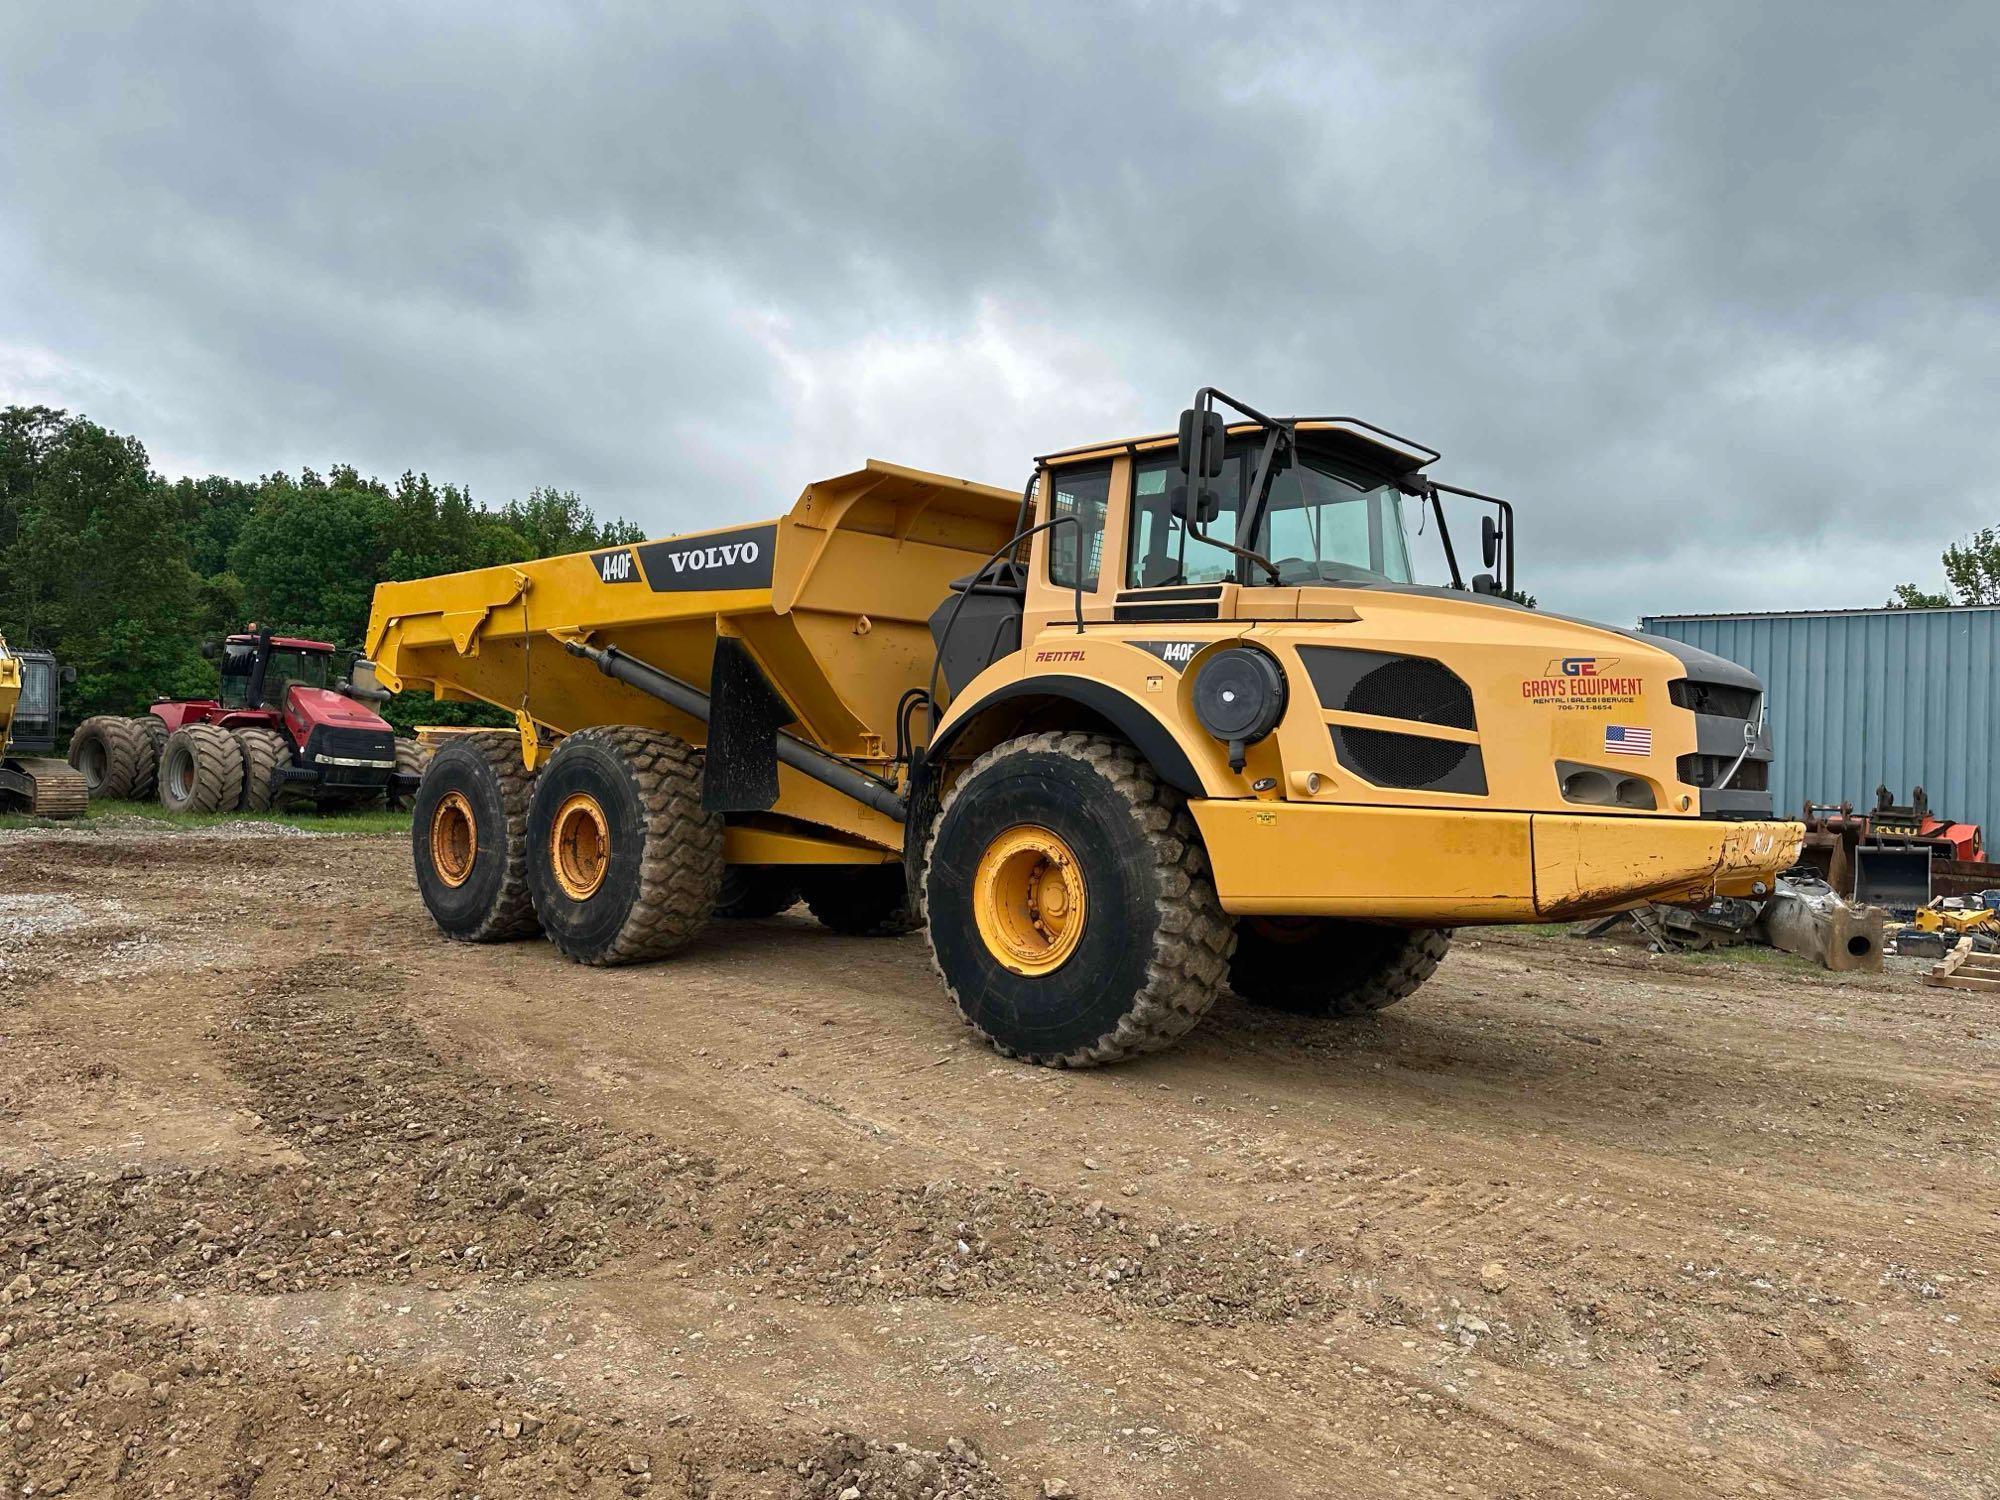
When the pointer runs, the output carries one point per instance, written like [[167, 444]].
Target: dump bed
[[832, 601]]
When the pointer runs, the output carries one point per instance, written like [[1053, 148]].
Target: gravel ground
[[297, 1199]]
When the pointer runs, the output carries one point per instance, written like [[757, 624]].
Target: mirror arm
[[1506, 510]]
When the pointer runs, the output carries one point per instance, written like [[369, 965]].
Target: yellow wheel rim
[[1029, 900], [454, 839], [580, 846]]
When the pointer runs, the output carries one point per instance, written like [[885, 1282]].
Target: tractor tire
[[1073, 916], [862, 900], [750, 891], [411, 760], [153, 731], [201, 770], [623, 862], [110, 754], [469, 839], [1323, 966], [264, 750]]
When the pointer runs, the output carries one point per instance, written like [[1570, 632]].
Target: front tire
[[412, 759], [264, 750], [1072, 913], [201, 770], [1323, 966], [469, 839], [623, 862]]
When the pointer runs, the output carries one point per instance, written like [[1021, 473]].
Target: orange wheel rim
[[580, 846], [454, 839], [1029, 900]]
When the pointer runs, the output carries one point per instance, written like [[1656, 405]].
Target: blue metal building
[[1860, 698]]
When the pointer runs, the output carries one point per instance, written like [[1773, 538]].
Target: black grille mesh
[[1706, 770], [1412, 687], [1389, 759], [1718, 698]]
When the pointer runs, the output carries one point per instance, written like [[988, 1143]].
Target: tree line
[[124, 573]]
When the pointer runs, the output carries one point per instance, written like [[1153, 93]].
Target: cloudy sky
[[1708, 289]]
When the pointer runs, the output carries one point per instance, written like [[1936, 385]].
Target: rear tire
[[862, 900], [623, 862], [751, 891], [201, 770], [469, 839], [1323, 966], [411, 760], [153, 733], [1117, 944], [264, 750], [110, 754]]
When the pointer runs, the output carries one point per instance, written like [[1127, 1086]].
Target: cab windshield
[[239, 661], [1325, 522]]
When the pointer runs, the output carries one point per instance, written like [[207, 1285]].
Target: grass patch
[[375, 820]]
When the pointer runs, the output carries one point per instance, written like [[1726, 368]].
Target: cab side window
[[1163, 551], [1075, 551]]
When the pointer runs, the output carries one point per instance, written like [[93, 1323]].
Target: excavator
[[31, 779]]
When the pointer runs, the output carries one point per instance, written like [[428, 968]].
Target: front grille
[[1718, 698], [1390, 687], [1410, 760], [354, 744], [1415, 688], [1706, 770]]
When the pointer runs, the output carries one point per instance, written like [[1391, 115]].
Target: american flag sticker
[[1624, 739]]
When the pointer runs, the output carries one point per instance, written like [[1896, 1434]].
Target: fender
[[1130, 718]]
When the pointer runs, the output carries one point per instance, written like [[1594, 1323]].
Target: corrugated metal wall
[[1903, 697]]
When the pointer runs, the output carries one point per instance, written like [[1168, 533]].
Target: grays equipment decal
[[1176, 654], [616, 567], [720, 560]]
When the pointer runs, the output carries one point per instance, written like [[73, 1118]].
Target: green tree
[[1971, 571], [94, 562]]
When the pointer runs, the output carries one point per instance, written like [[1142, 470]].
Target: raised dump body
[[832, 601], [1180, 718]]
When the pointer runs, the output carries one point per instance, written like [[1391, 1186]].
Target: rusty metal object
[[1814, 922]]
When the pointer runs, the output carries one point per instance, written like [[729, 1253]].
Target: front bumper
[[1451, 868]]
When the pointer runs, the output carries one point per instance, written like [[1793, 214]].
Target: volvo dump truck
[[1176, 718], [31, 779]]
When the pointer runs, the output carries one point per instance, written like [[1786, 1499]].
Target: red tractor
[[275, 732]]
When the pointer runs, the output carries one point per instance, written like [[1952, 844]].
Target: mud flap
[[741, 769]]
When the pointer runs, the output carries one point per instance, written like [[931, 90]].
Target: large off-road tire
[[110, 754], [201, 770], [749, 891], [469, 839], [623, 861], [153, 733], [1323, 966], [862, 900], [411, 760], [1072, 913], [264, 750]]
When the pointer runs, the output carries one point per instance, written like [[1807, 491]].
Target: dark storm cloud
[[1708, 288]]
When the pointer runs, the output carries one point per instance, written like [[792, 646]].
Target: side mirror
[[1485, 583], [1206, 508], [211, 650], [1489, 540], [68, 676], [1203, 436]]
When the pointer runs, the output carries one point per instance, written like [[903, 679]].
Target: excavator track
[[47, 788]]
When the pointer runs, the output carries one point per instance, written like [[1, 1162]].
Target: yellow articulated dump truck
[[1177, 718], [32, 780]]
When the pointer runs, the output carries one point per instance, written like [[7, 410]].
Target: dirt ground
[[298, 1199]]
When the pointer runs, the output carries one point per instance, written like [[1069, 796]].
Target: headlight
[[1239, 698]]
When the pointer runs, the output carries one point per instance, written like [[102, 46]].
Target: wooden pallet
[[1964, 968]]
